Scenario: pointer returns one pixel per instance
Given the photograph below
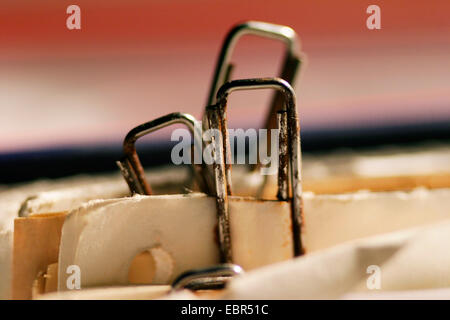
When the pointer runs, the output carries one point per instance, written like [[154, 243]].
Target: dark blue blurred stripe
[[66, 161]]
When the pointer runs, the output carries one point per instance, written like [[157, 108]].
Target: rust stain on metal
[[221, 188], [282, 193]]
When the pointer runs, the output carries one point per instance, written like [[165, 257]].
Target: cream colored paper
[[410, 261], [103, 238]]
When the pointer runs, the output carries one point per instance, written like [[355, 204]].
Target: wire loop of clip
[[131, 166], [207, 278]]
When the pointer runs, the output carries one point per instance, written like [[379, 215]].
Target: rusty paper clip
[[269, 30], [289, 146], [130, 164]]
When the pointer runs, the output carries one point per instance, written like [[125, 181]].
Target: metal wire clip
[[207, 278], [131, 166], [263, 29], [289, 147]]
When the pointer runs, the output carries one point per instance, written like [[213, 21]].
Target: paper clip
[[289, 147], [273, 31], [131, 166], [207, 278]]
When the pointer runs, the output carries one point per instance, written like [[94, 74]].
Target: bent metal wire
[[209, 278], [290, 136], [131, 166], [263, 29]]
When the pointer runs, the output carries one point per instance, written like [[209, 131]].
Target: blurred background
[[68, 97]]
